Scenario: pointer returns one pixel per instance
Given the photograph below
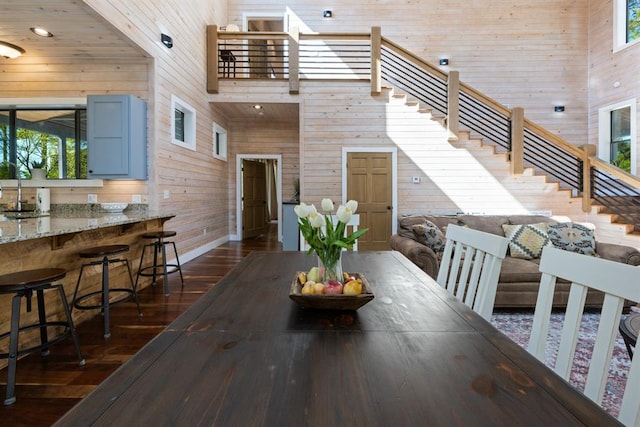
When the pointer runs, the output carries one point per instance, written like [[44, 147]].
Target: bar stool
[[629, 327], [159, 248], [104, 253], [22, 284]]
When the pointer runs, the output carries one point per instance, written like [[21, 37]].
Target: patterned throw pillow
[[429, 235], [526, 241], [573, 237]]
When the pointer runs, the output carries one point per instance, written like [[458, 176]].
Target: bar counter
[[55, 241]]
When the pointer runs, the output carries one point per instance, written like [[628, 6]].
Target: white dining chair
[[470, 267], [352, 227], [618, 282]]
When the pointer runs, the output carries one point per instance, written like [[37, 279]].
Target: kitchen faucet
[[19, 205]]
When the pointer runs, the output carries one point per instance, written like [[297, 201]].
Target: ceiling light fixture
[[258, 107], [40, 32], [10, 51]]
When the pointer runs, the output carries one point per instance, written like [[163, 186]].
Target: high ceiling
[[80, 33]]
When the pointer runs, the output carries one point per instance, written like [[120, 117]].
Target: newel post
[[517, 141], [376, 61], [588, 151], [453, 104], [294, 60], [212, 59]]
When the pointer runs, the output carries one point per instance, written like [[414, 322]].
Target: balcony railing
[[295, 56]]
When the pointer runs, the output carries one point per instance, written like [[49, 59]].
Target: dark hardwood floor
[[47, 387]]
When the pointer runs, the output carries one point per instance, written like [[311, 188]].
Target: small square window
[[183, 124], [219, 142]]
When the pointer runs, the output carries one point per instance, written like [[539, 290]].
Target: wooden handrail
[[485, 99], [623, 176], [419, 61], [555, 139]]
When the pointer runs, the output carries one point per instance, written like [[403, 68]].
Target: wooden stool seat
[[163, 268], [101, 251], [81, 302], [22, 284]]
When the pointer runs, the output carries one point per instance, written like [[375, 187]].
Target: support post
[[453, 105], [517, 141], [376, 61], [588, 150], [294, 60], [212, 59]]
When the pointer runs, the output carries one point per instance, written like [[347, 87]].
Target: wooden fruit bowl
[[331, 302]]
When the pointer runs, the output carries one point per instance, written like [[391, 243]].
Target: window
[[626, 22], [54, 139], [617, 135], [620, 138], [219, 142], [183, 124]]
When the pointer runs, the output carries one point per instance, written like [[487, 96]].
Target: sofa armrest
[[421, 255], [619, 253]]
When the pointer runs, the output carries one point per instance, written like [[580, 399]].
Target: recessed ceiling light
[[258, 107], [10, 51], [40, 32]]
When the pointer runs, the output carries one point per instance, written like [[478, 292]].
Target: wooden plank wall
[[613, 75], [521, 53]]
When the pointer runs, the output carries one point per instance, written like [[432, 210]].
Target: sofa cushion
[[573, 237], [429, 235], [526, 241], [487, 223], [406, 223], [518, 270]]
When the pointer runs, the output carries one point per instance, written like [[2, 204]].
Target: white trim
[[201, 250], [61, 103], [604, 132], [239, 159], [189, 123], [394, 176], [246, 16]]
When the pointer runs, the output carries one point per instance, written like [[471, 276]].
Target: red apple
[[333, 287]]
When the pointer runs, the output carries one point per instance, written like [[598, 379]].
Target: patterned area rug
[[517, 326]]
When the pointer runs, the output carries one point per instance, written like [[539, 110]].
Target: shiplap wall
[[519, 52], [608, 67]]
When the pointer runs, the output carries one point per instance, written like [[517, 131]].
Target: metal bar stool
[[159, 248], [22, 284], [629, 327], [104, 253]]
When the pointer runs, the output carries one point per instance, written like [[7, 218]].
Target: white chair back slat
[[619, 282], [470, 267]]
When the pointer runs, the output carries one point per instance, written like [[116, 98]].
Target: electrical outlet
[[204, 231], [92, 198], [136, 198], [166, 194]]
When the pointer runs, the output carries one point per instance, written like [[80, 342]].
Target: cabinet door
[[116, 131]]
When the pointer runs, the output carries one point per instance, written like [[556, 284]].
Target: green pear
[[314, 274]]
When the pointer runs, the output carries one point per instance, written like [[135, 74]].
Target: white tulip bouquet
[[326, 238]]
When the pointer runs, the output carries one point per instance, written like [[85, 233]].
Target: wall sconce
[[444, 61], [327, 14], [558, 108], [166, 40], [10, 51]]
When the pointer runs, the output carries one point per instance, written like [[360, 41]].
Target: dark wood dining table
[[246, 355]]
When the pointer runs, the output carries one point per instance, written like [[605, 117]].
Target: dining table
[[246, 354]]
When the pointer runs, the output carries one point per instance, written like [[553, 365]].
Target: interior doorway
[[263, 182], [370, 178], [266, 57]]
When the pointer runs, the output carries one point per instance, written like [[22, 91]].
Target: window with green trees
[[633, 20], [52, 139], [621, 138]]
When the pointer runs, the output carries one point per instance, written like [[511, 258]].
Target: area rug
[[517, 326]]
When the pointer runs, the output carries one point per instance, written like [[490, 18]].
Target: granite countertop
[[57, 223]]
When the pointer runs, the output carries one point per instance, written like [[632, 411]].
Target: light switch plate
[[166, 194], [92, 198], [136, 198], [415, 179]]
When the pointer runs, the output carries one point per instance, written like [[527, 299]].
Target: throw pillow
[[429, 235], [573, 237], [526, 241]]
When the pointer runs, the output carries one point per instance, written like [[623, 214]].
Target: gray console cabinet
[[117, 137]]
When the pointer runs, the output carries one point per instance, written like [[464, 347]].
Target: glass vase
[[330, 268]]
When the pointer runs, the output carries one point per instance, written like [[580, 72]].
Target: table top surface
[[245, 354]]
